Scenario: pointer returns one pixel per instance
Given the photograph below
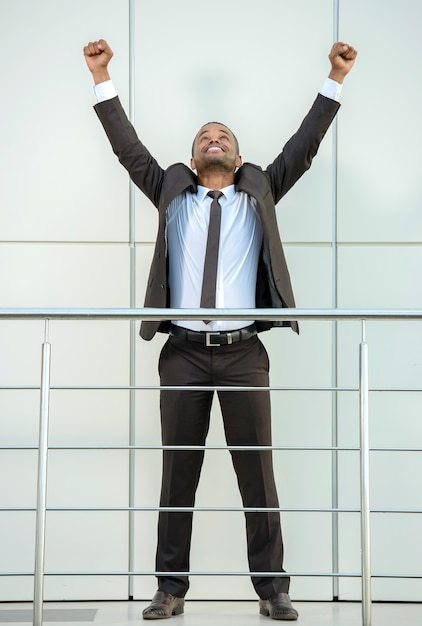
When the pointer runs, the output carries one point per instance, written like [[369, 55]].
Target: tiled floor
[[212, 614]]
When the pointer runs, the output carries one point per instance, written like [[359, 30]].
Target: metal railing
[[194, 314]]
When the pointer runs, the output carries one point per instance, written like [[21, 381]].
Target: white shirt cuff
[[331, 89], [105, 91]]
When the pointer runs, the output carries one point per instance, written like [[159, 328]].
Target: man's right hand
[[97, 56]]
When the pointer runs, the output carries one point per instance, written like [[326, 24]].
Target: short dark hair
[[221, 124]]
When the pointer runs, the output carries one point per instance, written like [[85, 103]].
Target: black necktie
[[209, 280]]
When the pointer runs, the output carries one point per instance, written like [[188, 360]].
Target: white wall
[[64, 230]]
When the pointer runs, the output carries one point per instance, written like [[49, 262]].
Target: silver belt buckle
[[208, 339]]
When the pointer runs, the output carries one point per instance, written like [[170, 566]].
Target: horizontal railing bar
[[211, 447], [196, 388], [191, 509], [176, 388], [187, 447], [158, 314], [214, 573], [177, 509]]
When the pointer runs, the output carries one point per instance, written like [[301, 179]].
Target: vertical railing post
[[364, 481], [334, 366], [42, 482], [133, 334]]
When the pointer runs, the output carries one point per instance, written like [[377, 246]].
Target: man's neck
[[216, 180]]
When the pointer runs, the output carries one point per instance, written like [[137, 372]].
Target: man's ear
[[238, 160], [192, 164]]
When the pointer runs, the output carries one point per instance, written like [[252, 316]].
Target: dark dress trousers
[[246, 414]]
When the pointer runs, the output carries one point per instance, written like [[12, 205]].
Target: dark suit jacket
[[273, 289]]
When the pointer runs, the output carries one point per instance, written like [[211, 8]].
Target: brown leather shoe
[[278, 607], [163, 605]]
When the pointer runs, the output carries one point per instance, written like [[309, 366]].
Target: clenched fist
[[342, 58], [97, 56]]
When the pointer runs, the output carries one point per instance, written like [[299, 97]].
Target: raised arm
[[143, 169], [298, 153]]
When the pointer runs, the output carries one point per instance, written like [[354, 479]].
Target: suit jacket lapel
[[178, 178]]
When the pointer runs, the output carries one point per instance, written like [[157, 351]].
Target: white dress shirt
[[188, 218]]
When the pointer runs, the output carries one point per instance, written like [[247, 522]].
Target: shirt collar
[[229, 192]]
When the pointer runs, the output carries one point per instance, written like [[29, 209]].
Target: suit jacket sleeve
[[297, 154], [143, 169]]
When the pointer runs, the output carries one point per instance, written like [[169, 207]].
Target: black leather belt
[[213, 338]]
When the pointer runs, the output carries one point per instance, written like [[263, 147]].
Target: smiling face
[[215, 148]]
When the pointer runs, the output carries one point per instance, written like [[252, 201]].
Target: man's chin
[[217, 162]]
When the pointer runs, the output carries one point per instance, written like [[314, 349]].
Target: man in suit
[[251, 273]]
